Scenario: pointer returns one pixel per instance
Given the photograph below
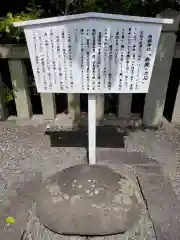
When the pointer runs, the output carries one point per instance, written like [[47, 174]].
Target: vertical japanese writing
[[107, 58], [110, 63], [48, 68], [105, 55], [140, 45], [147, 58], [40, 45], [128, 57], [82, 58], [93, 59], [64, 58], [37, 60], [117, 47], [121, 60], [99, 60], [139, 59], [58, 44], [134, 39], [70, 61], [53, 55], [87, 57]]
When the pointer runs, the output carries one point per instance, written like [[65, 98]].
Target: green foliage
[[6, 93], [6, 25], [63, 7], [131, 7], [74, 105]]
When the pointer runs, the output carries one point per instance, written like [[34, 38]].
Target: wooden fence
[[154, 99]]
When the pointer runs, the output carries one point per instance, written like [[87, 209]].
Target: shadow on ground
[[124, 157], [106, 137]]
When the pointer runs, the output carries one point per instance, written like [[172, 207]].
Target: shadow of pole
[[106, 137]]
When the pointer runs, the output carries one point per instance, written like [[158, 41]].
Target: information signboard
[[93, 53]]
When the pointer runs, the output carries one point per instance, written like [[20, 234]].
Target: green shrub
[[14, 34]]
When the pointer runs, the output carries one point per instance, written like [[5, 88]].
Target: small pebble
[[87, 191], [54, 190], [96, 192], [116, 209], [66, 196], [57, 199], [127, 189], [122, 180], [10, 220], [126, 200], [79, 186]]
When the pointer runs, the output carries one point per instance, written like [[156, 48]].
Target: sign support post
[[92, 128]]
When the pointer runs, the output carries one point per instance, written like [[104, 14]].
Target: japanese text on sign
[[82, 58]]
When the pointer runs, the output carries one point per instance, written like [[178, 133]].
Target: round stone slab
[[88, 200]]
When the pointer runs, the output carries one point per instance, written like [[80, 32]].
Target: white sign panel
[[93, 55]]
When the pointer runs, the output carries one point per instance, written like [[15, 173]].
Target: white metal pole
[[92, 128]]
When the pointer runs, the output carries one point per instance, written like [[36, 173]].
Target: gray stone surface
[[142, 230], [162, 205], [37, 231], [155, 160], [26, 158], [89, 200], [157, 146]]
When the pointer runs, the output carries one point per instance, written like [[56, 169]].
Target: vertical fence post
[[176, 111], [3, 107], [124, 105], [20, 80], [155, 98], [48, 105], [100, 106], [73, 104]]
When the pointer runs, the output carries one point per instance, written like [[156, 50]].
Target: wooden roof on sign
[[91, 15]]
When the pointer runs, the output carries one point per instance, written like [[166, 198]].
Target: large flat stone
[[142, 230], [89, 200]]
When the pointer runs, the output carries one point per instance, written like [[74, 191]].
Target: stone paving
[[27, 158]]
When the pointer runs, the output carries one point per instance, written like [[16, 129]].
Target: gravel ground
[[173, 136], [27, 158]]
